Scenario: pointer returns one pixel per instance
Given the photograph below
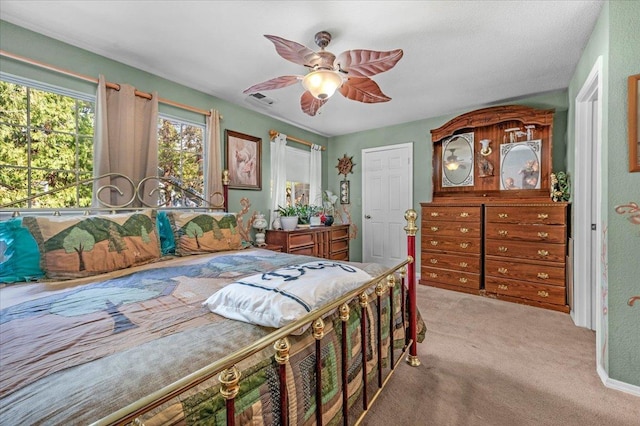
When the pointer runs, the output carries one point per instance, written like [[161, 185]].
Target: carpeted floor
[[490, 362]]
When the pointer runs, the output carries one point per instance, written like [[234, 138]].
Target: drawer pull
[[433, 275], [543, 216], [543, 293], [464, 264], [543, 234], [464, 230], [503, 215], [503, 287], [503, 249], [463, 280], [434, 228], [464, 214], [435, 214], [464, 245], [543, 253], [503, 232], [503, 270], [434, 243], [543, 275], [434, 261]]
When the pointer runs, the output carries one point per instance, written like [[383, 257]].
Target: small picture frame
[[243, 160], [344, 192]]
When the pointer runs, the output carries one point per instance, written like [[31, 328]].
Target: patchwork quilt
[[74, 352]]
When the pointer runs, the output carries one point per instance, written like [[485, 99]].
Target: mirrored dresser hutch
[[492, 228]]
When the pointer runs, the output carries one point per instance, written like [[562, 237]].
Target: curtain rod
[[95, 80], [274, 133]]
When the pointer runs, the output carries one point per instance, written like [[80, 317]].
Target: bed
[[217, 334]]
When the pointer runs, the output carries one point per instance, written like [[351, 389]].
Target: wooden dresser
[[525, 253], [451, 250], [329, 242]]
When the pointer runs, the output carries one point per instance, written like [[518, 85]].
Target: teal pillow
[[19, 254], [167, 240]]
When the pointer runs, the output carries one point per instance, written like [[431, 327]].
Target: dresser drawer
[[550, 214], [526, 290], [447, 276], [452, 229], [452, 213], [343, 255], [538, 233], [305, 250], [468, 263], [299, 240], [339, 232], [451, 244], [525, 250], [544, 273], [339, 245]]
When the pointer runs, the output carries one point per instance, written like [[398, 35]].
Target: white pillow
[[277, 298]]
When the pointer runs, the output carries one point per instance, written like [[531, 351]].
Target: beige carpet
[[490, 362]]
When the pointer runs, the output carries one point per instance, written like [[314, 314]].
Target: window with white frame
[[46, 143], [297, 190], [181, 160]]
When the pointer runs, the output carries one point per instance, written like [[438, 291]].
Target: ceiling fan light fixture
[[322, 84]]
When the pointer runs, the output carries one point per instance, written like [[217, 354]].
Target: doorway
[[587, 302], [387, 188]]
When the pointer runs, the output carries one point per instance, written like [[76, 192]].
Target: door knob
[[366, 216]]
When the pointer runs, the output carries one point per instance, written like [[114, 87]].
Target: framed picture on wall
[[243, 160], [344, 192], [634, 119]]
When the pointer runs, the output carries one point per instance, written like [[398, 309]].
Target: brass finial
[[380, 288], [344, 312], [225, 177], [229, 379], [282, 347], [318, 329], [391, 281], [364, 299], [411, 216]]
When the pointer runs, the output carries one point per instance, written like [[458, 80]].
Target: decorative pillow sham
[[277, 298], [80, 246], [197, 233], [19, 255]]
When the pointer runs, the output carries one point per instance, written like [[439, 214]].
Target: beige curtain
[[126, 142], [213, 190]]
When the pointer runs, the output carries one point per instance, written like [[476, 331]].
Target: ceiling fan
[[453, 162], [348, 73]]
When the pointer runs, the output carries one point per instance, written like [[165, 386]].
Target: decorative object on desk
[[345, 165], [260, 225], [344, 192], [560, 190], [243, 160], [288, 217], [328, 203], [315, 220], [306, 212]]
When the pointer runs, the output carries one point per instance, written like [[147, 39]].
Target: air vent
[[260, 99]]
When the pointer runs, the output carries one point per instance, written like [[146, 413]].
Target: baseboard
[[617, 384]]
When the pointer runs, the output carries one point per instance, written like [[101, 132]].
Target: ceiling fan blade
[[294, 52], [365, 63], [310, 105], [274, 83], [363, 89]]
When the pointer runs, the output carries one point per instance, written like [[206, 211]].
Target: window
[[181, 160], [46, 143], [297, 175]]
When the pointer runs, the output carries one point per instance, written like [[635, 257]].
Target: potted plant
[[328, 201], [288, 217], [305, 212]]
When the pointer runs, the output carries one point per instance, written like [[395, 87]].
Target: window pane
[[86, 116], [85, 154], [50, 112], [13, 185], [13, 145], [13, 103], [54, 151]]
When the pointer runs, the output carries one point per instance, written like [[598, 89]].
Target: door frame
[[364, 151], [586, 130]]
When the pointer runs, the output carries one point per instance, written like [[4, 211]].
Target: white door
[[387, 188], [587, 200]]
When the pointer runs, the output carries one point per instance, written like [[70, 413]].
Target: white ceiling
[[458, 55]]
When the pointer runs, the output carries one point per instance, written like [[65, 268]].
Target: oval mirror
[[457, 160], [520, 165]]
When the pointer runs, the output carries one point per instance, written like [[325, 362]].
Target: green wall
[[617, 40], [419, 132], [20, 41]]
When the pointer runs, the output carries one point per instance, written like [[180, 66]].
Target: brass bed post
[[364, 302], [391, 283], [380, 288], [411, 216], [229, 388], [344, 317], [225, 189], [282, 347], [318, 334]]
